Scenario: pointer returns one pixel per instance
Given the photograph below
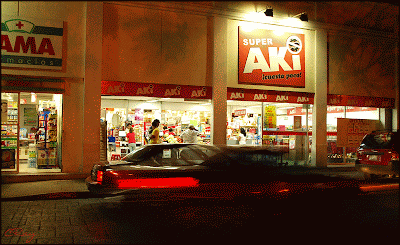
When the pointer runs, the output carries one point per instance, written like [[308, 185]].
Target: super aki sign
[[32, 43], [269, 59]]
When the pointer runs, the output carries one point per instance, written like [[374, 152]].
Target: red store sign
[[155, 90], [360, 101], [268, 59], [269, 96], [240, 112]]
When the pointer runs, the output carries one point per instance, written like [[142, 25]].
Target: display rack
[[47, 153], [9, 146]]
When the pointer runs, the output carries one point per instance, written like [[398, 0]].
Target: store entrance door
[[30, 132], [39, 132]]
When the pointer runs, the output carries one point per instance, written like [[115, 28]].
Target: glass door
[[9, 132]]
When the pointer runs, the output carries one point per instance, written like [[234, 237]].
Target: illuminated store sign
[[269, 59], [155, 90], [269, 96], [31, 43]]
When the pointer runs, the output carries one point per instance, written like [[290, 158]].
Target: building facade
[[220, 65]]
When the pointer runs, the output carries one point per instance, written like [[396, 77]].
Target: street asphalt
[[64, 212], [75, 188]]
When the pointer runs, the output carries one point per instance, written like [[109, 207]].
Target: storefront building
[[222, 66], [48, 89]]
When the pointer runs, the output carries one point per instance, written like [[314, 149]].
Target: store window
[[9, 132], [31, 132], [175, 114], [287, 127], [244, 122], [344, 154]]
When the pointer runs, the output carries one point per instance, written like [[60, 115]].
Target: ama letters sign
[[31, 43], [269, 59]]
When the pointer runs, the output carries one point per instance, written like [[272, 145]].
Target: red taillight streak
[[379, 187], [395, 156], [99, 176], [158, 183]]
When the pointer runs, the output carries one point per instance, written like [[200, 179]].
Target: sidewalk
[[45, 189]]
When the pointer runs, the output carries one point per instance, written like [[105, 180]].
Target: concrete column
[[92, 84], [217, 39], [385, 117], [319, 150]]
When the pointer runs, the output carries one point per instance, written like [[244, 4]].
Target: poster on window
[[350, 132], [8, 159], [270, 117], [30, 116], [4, 110]]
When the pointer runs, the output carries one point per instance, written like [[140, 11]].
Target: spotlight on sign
[[269, 12], [302, 16]]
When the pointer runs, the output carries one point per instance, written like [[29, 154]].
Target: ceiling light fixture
[[302, 16]]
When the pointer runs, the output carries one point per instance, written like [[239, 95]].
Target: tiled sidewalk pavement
[[65, 221]]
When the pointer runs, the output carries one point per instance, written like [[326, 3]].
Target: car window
[[254, 159], [139, 154], [379, 141], [183, 156]]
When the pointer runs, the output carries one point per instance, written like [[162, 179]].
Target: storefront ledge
[[20, 178]]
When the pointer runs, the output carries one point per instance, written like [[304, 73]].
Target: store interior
[[31, 132], [177, 114]]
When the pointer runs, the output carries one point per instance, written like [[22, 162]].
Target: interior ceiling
[[40, 96]]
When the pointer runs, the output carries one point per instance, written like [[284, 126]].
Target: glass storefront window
[[280, 125], [175, 115], [32, 122], [345, 154], [9, 132]]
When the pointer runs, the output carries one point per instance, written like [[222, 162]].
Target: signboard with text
[[32, 43], [155, 90], [350, 132], [269, 59]]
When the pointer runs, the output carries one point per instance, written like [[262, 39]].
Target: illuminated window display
[[30, 133]]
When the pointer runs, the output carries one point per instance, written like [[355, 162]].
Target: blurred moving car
[[181, 171], [378, 155]]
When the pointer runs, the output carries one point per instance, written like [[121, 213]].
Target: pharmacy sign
[[32, 43]]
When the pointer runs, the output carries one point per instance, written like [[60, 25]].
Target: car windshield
[[172, 155], [379, 141]]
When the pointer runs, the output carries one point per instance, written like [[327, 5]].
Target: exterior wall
[[148, 45], [365, 63], [92, 96], [74, 15]]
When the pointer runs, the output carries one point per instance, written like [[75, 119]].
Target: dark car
[[181, 171], [378, 155]]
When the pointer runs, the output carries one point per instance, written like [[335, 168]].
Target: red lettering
[[46, 47], [5, 43], [20, 42]]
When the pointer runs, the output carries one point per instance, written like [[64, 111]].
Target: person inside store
[[131, 139], [128, 127], [155, 133], [190, 135], [242, 136]]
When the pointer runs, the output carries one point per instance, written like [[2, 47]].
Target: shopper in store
[[190, 135], [131, 139], [242, 136], [155, 133]]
